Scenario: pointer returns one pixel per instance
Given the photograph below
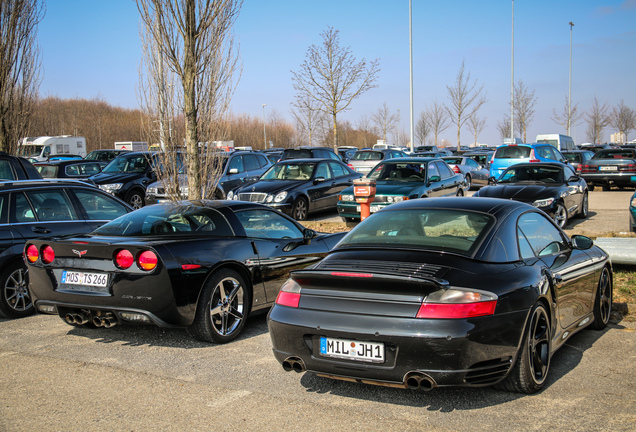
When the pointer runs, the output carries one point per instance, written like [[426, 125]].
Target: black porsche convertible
[[204, 265], [443, 292]]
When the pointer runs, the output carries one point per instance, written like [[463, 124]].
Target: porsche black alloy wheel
[[603, 301], [222, 309], [300, 209], [533, 364], [15, 300]]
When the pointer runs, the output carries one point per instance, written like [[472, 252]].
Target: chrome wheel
[[468, 181], [561, 215], [300, 209], [227, 310], [135, 200], [585, 206]]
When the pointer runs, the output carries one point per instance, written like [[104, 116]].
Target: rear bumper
[[624, 179]]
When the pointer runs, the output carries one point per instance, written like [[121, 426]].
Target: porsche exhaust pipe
[[419, 381], [295, 364]]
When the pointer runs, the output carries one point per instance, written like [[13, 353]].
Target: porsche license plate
[[353, 350], [85, 279]]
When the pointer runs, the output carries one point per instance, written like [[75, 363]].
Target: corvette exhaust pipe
[[80, 318], [106, 321], [419, 381], [295, 364], [70, 318]]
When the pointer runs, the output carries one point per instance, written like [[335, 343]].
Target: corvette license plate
[[85, 279], [353, 350], [608, 168]]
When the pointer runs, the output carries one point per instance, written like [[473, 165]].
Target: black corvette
[[553, 187], [443, 292], [204, 265], [298, 187]]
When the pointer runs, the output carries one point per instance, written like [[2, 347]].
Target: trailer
[[39, 149]]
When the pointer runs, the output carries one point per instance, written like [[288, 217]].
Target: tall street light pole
[[264, 134], [411, 65], [512, 78], [570, 90]]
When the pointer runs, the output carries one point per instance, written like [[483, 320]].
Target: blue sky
[[91, 48]]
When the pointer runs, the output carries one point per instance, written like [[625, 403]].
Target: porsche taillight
[[457, 303], [289, 294], [32, 253], [48, 254]]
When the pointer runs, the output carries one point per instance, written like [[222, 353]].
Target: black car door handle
[[40, 230]]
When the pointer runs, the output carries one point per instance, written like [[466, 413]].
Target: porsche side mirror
[[581, 242]]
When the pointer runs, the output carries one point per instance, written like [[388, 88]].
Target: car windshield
[[572, 157], [615, 154], [456, 231], [453, 161], [290, 171], [173, 218], [127, 164], [532, 174], [399, 171], [368, 155], [513, 152], [30, 150]]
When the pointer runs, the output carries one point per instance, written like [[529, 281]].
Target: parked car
[[404, 179], [482, 157], [235, 169], [298, 187], [474, 173], [576, 158], [347, 152], [632, 213], [510, 154], [363, 161], [43, 208], [202, 265], [104, 155], [128, 176], [443, 292], [430, 154], [309, 152], [594, 147], [552, 187], [611, 167], [74, 169], [17, 168]]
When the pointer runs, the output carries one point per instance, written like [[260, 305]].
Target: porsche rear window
[[455, 231]]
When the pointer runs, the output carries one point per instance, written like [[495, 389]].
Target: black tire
[[603, 301], [469, 182], [300, 209], [585, 207], [15, 299], [223, 308], [561, 215], [606, 188], [531, 369], [135, 199]]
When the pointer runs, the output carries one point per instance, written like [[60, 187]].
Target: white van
[[41, 148], [561, 142]]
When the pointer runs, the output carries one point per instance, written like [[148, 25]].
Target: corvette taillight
[[48, 254], [32, 253], [457, 303], [124, 259], [289, 294], [147, 260]]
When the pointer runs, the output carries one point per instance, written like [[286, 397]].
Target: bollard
[[364, 193]]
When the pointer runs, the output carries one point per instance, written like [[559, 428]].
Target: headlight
[[151, 191], [230, 196], [543, 202], [280, 197], [394, 199], [111, 187], [347, 198]]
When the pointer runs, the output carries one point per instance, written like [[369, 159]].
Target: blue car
[[510, 154], [632, 213]]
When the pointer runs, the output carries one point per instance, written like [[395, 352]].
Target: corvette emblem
[[79, 253]]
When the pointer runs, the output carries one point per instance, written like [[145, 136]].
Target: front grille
[[417, 270], [252, 197]]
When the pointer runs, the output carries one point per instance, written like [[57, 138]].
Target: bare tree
[[384, 120], [466, 99], [503, 126], [525, 101], [422, 129], [19, 68], [569, 115], [476, 126], [597, 119], [332, 77], [309, 118], [189, 44], [366, 129], [438, 119], [623, 119]]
